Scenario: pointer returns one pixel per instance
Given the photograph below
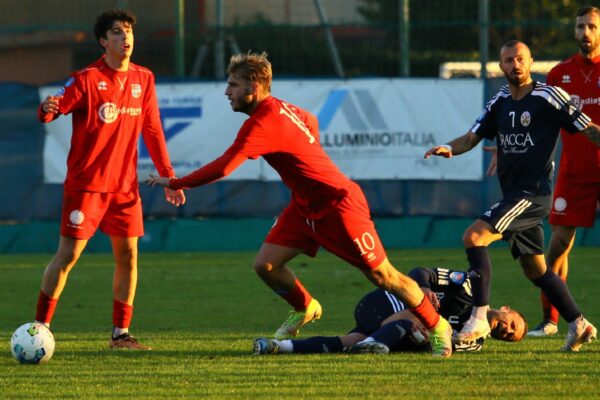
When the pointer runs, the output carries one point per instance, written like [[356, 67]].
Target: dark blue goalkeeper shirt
[[526, 133]]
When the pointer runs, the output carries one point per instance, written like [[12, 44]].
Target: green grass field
[[201, 312]]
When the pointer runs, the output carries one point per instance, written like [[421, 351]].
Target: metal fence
[[305, 38]]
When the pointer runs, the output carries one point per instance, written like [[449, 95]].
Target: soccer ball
[[32, 343]]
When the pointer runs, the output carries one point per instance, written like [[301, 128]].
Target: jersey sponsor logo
[[579, 102], [102, 85], [560, 204], [109, 112], [457, 277], [76, 218], [566, 79], [516, 139], [136, 90], [525, 118]]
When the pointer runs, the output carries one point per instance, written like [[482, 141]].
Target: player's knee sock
[[318, 344], [558, 294], [45, 308], [122, 314], [550, 312], [480, 274], [298, 297], [426, 313], [391, 334]]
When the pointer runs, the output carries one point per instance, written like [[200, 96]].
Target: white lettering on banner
[[371, 128], [379, 139], [285, 110]]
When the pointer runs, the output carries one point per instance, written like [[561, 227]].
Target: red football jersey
[[110, 109], [287, 137], [580, 77]]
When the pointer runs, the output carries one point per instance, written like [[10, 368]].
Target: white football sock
[[119, 331]]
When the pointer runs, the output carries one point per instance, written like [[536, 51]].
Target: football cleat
[[265, 346], [582, 332], [474, 329], [544, 329], [372, 347], [297, 319], [126, 341], [440, 339]]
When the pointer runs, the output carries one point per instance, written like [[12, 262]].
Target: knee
[[126, 256], [262, 267]]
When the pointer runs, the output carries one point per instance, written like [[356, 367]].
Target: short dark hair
[[106, 20], [587, 10]]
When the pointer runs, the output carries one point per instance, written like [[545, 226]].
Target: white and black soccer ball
[[32, 343]]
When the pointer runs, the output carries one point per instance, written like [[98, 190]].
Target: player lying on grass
[[383, 324]]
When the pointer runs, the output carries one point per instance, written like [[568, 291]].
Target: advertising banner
[[372, 128]]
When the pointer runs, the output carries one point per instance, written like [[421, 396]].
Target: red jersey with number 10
[[580, 77], [110, 109]]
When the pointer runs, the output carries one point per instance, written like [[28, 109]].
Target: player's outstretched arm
[[592, 131], [457, 146]]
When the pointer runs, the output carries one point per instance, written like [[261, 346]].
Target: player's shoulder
[[90, 69], [502, 94], [552, 94], [565, 64], [140, 69]]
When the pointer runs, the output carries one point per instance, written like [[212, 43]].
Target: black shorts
[[372, 309], [519, 220]]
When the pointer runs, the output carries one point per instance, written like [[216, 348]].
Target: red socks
[[426, 313], [550, 312], [298, 297], [122, 314], [45, 308]]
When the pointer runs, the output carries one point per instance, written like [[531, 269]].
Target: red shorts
[[574, 203], [347, 231], [117, 214]]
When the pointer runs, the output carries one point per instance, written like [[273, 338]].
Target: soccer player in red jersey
[[111, 101], [326, 208], [577, 190]]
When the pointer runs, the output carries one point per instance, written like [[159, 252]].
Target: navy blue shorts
[[372, 309], [519, 220]]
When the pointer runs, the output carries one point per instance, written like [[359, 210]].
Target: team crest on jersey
[[136, 90], [76, 217], [567, 79], [525, 118], [457, 277], [560, 204], [102, 85]]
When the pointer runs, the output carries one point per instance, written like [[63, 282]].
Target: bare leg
[[125, 277], [57, 271]]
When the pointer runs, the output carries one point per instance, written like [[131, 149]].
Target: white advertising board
[[372, 128]]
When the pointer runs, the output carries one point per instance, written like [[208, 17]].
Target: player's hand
[[443, 150], [175, 197], [50, 104], [158, 180], [491, 170], [432, 297]]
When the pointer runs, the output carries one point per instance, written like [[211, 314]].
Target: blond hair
[[252, 67]]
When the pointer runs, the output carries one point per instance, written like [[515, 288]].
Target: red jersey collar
[[580, 58]]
